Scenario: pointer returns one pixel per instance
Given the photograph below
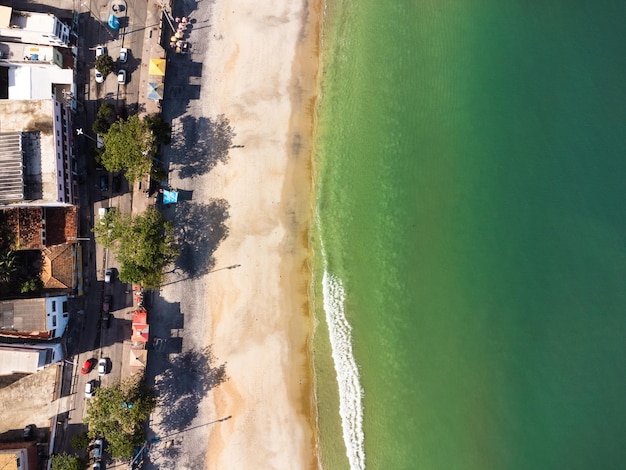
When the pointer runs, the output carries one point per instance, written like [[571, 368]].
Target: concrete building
[[37, 161], [40, 318], [33, 28], [18, 456], [28, 358]]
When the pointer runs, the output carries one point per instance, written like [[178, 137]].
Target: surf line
[[350, 390]]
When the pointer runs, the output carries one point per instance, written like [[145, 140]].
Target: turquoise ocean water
[[470, 245]]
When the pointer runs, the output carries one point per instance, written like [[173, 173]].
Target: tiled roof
[[61, 224], [58, 267]]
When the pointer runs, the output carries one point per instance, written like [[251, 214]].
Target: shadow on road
[[200, 144], [200, 230], [184, 384]]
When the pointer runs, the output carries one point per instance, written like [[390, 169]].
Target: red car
[[88, 366], [106, 304]]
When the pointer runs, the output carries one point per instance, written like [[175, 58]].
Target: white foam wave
[[350, 391]]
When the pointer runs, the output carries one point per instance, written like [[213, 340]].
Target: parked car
[[123, 55], [98, 447], [100, 50], [96, 466], [99, 77], [90, 389], [88, 366], [29, 432], [108, 276], [106, 304], [103, 366], [106, 320], [121, 77], [104, 184]]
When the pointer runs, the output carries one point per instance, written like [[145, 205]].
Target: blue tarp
[[170, 197], [114, 22]]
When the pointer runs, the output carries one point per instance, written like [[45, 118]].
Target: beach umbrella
[[114, 22], [170, 197], [155, 91], [156, 67]]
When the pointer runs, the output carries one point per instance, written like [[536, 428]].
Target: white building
[[28, 358], [33, 28], [40, 318]]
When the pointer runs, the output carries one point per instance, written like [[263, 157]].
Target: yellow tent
[[156, 67]]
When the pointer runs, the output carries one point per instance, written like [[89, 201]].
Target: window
[[65, 306], [53, 334], [54, 320], [54, 305]]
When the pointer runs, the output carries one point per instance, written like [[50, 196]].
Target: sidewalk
[[151, 50]]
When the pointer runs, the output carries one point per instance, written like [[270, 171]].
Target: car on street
[[106, 304], [96, 466], [123, 55], [29, 432], [121, 77], [97, 448], [90, 389], [106, 320], [102, 366], [104, 184], [108, 276], [88, 366], [100, 50], [99, 77]]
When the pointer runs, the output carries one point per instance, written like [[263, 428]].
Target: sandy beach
[[258, 81]]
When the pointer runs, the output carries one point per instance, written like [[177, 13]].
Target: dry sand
[[259, 72]]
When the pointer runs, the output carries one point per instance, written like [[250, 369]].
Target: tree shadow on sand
[[200, 228], [183, 386], [200, 144]]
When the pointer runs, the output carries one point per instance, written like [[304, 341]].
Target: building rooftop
[[23, 315], [11, 167]]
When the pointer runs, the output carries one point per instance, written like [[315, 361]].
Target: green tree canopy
[[104, 64], [117, 413], [160, 128], [130, 146], [104, 118], [65, 461], [144, 244]]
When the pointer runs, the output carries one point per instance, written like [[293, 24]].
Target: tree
[[65, 461], [143, 245], [104, 64], [104, 118], [31, 285], [160, 128], [118, 413], [7, 264], [130, 146], [80, 441]]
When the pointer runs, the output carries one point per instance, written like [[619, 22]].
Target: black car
[[106, 320], [104, 184], [29, 432]]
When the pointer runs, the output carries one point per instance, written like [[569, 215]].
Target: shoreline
[[261, 318]]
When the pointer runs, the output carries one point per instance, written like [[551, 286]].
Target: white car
[[108, 275], [90, 389], [100, 50], [99, 77], [97, 448], [102, 367], [121, 77], [123, 55]]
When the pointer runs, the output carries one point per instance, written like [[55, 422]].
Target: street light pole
[[80, 131]]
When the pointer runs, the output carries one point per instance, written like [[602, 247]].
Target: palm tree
[[8, 264]]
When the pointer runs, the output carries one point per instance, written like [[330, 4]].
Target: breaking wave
[[350, 391]]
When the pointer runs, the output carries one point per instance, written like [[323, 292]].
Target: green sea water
[[470, 178]]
